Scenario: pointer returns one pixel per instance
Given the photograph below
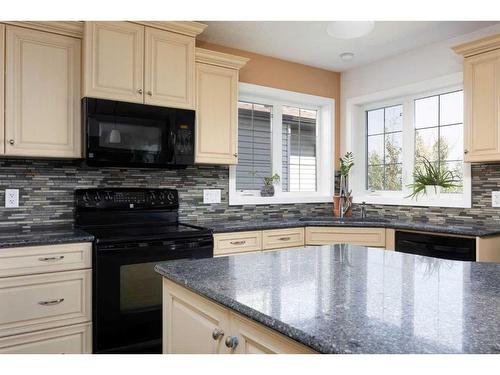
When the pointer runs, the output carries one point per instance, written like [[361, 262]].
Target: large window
[[398, 132], [285, 133]]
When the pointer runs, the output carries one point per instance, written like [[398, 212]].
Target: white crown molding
[[220, 59], [68, 28]]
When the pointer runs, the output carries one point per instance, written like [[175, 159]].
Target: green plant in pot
[[429, 179], [268, 188]]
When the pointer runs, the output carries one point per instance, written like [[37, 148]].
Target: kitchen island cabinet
[[332, 299]]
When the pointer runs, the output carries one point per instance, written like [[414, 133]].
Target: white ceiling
[[307, 42]]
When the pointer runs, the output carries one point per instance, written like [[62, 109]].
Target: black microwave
[[125, 134]]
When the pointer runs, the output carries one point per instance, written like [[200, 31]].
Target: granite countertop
[[459, 229], [42, 235], [353, 299]]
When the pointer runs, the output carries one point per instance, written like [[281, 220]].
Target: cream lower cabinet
[[374, 237], [192, 324], [2, 100], [481, 99], [128, 61], [216, 107], [42, 94], [45, 294]]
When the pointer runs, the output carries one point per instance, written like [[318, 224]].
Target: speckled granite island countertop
[[353, 299], [42, 235], [325, 221]]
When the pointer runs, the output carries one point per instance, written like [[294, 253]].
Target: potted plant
[[429, 179], [268, 188], [344, 196]]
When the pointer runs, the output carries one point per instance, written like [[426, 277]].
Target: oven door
[[127, 293], [125, 141]]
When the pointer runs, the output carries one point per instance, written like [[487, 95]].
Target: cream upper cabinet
[[114, 61], [134, 62], [42, 94], [482, 99], [169, 69], [216, 107], [2, 69]]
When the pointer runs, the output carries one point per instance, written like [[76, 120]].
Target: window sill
[[444, 200], [239, 200]]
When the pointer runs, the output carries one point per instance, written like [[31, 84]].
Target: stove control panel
[[126, 198]]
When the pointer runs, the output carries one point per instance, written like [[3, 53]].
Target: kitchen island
[[330, 299]]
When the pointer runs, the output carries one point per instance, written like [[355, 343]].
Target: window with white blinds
[[254, 145], [284, 133]]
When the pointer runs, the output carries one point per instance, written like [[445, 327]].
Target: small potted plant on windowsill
[[268, 188], [429, 179], [344, 199]]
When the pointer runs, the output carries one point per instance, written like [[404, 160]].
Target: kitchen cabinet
[[128, 61], [374, 237], [280, 238], [193, 324], [216, 107], [482, 99], [237, 242], [2, 85], [46, 299], [42, 94]]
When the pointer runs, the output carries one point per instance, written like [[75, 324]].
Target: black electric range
[[134, 229]]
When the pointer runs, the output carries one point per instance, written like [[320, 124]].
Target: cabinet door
[[482, 105], [42, 94], [169, 69], [216, 114], [254, 338], [114, 66], [190, 322], [2, 57]]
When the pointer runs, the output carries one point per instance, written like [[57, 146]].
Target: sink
[[352, 219]]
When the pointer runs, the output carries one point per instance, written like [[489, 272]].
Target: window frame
[[324, 143], [356, 129]]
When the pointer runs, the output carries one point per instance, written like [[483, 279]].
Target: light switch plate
[[11, 198], [211, 196], [495, 199]]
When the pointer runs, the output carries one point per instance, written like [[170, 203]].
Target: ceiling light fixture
[[347, 56], [349, 29]]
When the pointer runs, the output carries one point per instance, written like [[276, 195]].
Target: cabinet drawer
[[73, 339], [238, 242], [39, 259], [277, 238], [355, 236], [37, 302]]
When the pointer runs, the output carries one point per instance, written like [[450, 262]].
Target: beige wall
[[286, 75]]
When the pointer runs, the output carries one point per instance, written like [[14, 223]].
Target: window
[[254, 145], [400, 127], [384, 129], [285, 133], [439, 132], [299, 149]]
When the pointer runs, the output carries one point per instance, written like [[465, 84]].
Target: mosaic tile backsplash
[[46, 191], [46, 194]]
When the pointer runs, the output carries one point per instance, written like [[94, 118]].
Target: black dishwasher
[[445, 247]]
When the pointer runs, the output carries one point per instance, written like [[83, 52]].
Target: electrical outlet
[[11, 198], [211, 196], [495, 199]]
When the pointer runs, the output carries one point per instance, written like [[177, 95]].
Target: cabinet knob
[[217, 334], [139, 91], [235, 155], [150, 93], [11, 142], [232, 342], [466, 151]]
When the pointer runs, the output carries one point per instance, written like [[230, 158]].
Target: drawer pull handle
[[51, 259], [284, 238], [238, 242], [50, 303], [217, 334]]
